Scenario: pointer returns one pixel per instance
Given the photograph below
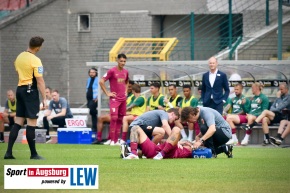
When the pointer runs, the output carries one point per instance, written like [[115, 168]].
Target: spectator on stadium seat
[[107, 117], [214, 130], [258, 103], [175, 99], [9, 113], [62, 111], [172, 148], [239, 104], [156, 123], [43, 109], [274, 115], [188, 101], [136, 108], [156, 100], [283, 131]]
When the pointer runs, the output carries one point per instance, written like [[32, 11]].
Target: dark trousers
[[217, 107], [60, 121], [92, 105], [216, 142]]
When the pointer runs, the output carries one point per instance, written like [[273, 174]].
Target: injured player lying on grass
[[171, 148]]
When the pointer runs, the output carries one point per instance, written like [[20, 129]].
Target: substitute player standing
[[119, 79], [30, 73]]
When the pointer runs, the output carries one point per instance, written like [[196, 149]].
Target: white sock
[[183, 134], [190, 135], [234, 137], [247, 136]]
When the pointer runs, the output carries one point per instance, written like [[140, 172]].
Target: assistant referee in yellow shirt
[[30, 73]]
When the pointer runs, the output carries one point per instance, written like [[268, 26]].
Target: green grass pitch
[[253, 169]]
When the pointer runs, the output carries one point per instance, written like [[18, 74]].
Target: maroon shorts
[[243, 119], [149, 149], [117, 108]]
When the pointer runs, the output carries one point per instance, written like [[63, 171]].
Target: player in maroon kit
[[172, 148], [118, 78]]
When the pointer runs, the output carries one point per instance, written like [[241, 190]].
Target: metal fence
[[270, 73]]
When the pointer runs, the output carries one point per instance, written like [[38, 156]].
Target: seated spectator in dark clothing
[[62, 111]]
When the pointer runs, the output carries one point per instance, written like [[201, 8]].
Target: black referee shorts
[[27, 104]]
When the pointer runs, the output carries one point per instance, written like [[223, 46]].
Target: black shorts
[[27, 104], [148, 132], [278, 117]]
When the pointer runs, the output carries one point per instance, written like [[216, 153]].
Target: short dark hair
[[187, 86], [55, 90], [199, 87], [121, 56], [186, 111], [48, 88], [131, 82], [172, 85], [155, 84], [240, 85], [136, 88], [175, 111], [36, 42]]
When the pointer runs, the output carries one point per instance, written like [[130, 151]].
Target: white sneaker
[[232, 142], [131, 156], [244, 142], [108, 142], [119, 142], [113, 143], [158, 156]]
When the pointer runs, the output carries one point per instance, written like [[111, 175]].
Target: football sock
[[1, 136], [279, 136], [183, 134], [247, 136], [253, 124], [30, 135], [249, 132], [99, 136], [267, 136], [12, 137], [234, 130], [134, 146], [234, 137], [124, 136], [167, 148], [190, 135]]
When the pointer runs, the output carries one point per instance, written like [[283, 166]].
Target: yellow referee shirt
[[27, 65]]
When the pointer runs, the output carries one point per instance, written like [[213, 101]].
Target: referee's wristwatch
[[201, 140]]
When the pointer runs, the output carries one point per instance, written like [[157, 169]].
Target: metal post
[[267, 13], [280, 30], [230, 24], [192, 35]]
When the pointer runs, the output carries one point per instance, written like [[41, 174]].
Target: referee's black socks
[[30, 135], [12, 137]]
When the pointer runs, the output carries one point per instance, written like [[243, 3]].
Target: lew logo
[[51, 177], [83, 176]]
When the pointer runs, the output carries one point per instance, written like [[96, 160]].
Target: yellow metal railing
[[154, 48]]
